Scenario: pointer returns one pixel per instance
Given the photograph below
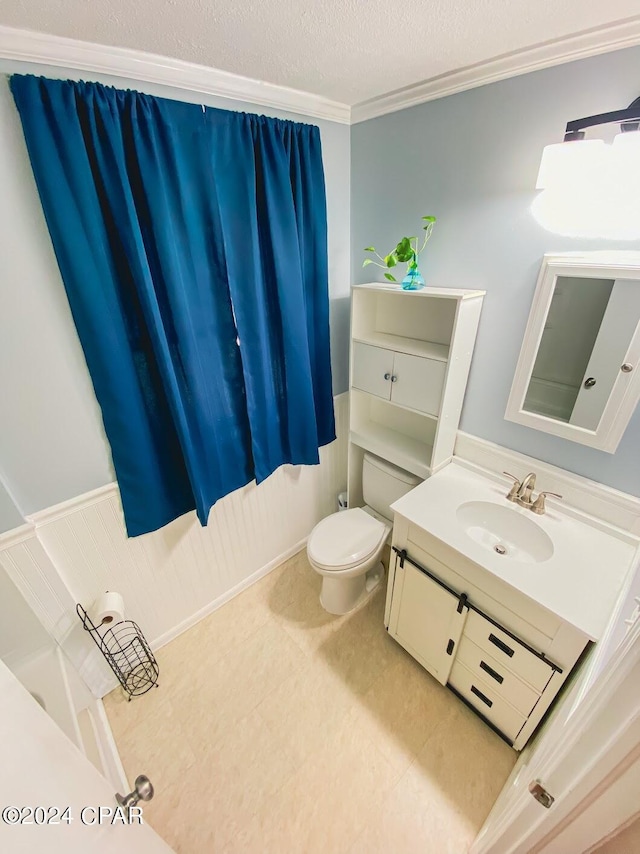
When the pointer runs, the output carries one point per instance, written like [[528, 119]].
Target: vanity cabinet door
[[418, 382], [426, 619], [372, 369]]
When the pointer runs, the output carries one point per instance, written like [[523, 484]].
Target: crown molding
[[27, 46], [43, 49], [580, 46]]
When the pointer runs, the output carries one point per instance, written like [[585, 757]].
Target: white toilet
[[345, 547]]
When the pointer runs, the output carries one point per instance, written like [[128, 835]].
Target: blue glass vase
[[413, 281]]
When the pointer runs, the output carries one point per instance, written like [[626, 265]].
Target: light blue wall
[[10, 516], [471, 159], [52, 443]]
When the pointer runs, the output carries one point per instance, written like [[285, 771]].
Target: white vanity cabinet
[[410, 359], [502, 653], [427, 619]]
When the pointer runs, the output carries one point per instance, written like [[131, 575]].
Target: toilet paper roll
[[108, 609]]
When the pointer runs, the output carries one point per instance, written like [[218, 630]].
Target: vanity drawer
[[507, 651], [502, 681], [484, 698]]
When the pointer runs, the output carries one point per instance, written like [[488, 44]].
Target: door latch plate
[[540, 794]]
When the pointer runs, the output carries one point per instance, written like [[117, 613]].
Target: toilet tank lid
[[388, 468]]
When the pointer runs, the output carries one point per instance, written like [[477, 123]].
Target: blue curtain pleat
[[178, 233], [284, 332], [307, 181]]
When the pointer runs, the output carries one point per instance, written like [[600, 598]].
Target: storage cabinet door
[[425, 620], [372, 369], [418, 382]]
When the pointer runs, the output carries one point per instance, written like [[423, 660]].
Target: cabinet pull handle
[[481, 696], [501, 646], [387, 376], [492, 673], [450, 646]]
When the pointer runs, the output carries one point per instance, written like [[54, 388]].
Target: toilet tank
[[384, 483]]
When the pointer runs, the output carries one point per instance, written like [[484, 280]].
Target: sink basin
[[505, 531]]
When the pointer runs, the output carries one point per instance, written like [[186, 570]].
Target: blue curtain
[[192, 246], [275, 235]]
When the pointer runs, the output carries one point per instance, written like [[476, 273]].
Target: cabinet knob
[[626, 368], [387, 376], [393, 378], [589, 382]]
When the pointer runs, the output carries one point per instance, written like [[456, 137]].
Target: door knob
[[589, 382], [143, 792]]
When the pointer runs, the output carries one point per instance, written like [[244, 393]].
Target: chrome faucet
[[521, 493], [524, 495]]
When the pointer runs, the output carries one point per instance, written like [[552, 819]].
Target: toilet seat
[[344, 540]]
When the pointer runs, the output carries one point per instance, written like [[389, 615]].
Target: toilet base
[[341, 595]]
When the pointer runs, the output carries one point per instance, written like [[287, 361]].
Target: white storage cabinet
[[410, 358]]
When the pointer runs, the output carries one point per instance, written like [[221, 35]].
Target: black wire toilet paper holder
[[127, 653]]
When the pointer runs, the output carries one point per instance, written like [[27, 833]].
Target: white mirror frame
[[626, 390]]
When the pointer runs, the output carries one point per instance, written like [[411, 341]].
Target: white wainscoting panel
[[26, 562], [171, 578]]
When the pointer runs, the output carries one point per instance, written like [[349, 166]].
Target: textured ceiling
[[345, 50]]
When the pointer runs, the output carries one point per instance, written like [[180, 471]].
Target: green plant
[[405, 252]]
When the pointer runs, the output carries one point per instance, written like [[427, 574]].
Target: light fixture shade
[[571, 164], [625, 154], [627, 141]]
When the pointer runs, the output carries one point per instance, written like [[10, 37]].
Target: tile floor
[[279, 728]]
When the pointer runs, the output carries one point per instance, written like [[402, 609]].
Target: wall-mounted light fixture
[[591, 188], [578, 159]]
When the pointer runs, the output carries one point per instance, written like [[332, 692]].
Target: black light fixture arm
[[628, 119]]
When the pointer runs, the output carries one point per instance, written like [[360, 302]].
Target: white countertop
[[579, 582]]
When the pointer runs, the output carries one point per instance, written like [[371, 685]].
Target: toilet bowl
[[345, 548]]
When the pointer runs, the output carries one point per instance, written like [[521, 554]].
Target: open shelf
[[399, 406], [388, 319], [401, 344], [401, 450]]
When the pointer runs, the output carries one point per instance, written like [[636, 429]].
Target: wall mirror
[[578, 374]]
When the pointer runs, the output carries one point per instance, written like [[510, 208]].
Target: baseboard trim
[[221, 600]]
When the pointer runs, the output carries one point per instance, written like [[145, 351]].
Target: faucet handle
[[511, 495], [538, 505]]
